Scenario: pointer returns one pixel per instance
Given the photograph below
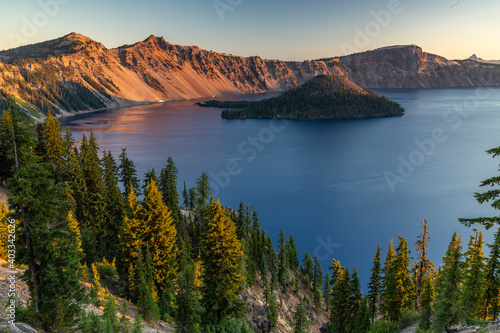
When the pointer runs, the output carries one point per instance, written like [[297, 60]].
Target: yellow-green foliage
[[3, 230]]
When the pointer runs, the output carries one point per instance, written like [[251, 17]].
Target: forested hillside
[[84, 216]]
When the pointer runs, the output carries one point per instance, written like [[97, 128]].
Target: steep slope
[[74, 66], [408, 66]]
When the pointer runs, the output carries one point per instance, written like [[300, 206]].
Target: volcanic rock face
[[409, 67], [75, 73]]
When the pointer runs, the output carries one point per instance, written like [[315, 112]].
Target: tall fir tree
[[168, 188], [221, 277], [474, 278], [147, 305], [317, 284], [187, 319], [300, 320], [293, 257], [388, 292], [53, 146], [160, 233], [426, 300], [447, 303], [128, 173], [375, 285], [47, 242], [115, 206], [491, 306], [283, 267], [424, 266]]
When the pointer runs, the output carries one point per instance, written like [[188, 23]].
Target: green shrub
[[229, 326], [107, 271], [383, 326]]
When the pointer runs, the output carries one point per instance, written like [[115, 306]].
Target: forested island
[[322, 97], [89, 232]]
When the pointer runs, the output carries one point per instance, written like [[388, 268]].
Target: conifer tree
[[111, 323], [340, 308], [47, 242], [491, 306], [307, 269], [187, 318], [115, 206], [375, 285], [53, 146], [221, 278], [148, 177], [301, 323], [128, 173], [160, 233], [168, 187], [474, 278], [327, 290], [355, 299], [362, 320], [388, 291], [293, 256], [146, 304], [426, 300], [447, 302], [398, 284], [283, 268], [185, 197], [423, 266], [317, 283]]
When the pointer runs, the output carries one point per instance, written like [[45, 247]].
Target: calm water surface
[[333, 184]]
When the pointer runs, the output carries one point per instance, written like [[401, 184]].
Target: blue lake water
[[339, 186]]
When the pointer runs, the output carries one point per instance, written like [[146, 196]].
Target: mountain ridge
[[75, 73]]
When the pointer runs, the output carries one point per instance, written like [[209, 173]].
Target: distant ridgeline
[[322, 97]]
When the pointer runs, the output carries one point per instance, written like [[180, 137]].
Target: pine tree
[[474, 278], [447, 303], [340, 308], [491, 306], [110, 314], [168, 187], [426, 300], [301, 323], [147, 307], [221, 278], [115, 206], [293, 256], [53, 146], [307, 269], [47, 242], [283, 268], [185, 197], [388, 291], [187, 319], [128, 173], [375, 285], [317, 284], [355, 299], [362, 320], [160, 233], [423, 266], [399, 288], [327, 290]]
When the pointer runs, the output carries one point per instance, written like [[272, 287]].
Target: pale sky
[[274, 29]]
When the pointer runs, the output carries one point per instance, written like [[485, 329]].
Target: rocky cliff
[[409, 67], [77, 69], [75, 73]]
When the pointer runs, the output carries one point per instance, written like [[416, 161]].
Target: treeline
[[323, 97]]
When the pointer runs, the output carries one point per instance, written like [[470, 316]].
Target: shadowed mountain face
[[87, 75]]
